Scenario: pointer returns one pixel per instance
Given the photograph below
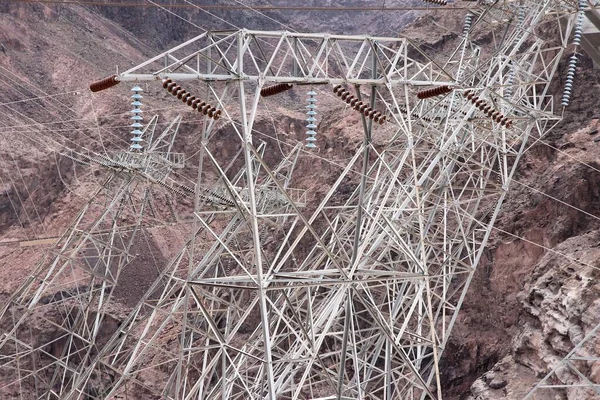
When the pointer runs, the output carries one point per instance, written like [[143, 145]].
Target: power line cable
[[71, 92], [233, 7], [29, 196], [58, 108]]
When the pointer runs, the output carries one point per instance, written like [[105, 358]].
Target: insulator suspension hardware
[[358, 105], [437, 91], [275, 89], [566, 97], [137, 120], [521, 15], [311, 126], [104, 83], [510, 80], [191, 100], [467, 24], [577, 32], [438, 2], [487, 109]]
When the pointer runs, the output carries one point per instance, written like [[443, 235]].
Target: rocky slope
[[535, 293]]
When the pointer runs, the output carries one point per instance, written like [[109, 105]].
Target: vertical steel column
[[367, 126], [247, 138]]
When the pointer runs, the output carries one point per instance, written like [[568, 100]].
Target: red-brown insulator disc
[[217, 115], [275, 89], [201, 105], [171, 86], [438, 2], [382, 119], [341, 92], [353, 102], [509, 123], [434, 92], [367, 111], [181, 93], [358, 105], [336, 88], [345, 95], [362, 108], [423, 94], [166, 82], [104, 83], [206, 108], [499, 118], [190, 100], [349, 99]]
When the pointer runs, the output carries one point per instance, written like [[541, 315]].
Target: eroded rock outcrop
[[562, 306]]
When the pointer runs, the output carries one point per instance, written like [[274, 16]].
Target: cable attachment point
[[137, 120], [312, 126]]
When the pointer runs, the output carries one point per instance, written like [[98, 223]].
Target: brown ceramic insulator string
[[437, 2], [275, 89], [104, 83], [198, 104], [190, 100], [415, 115], [359, 106], [487, 109], [437, 91]]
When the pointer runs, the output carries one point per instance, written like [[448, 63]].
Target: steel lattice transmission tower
[[53, 325], [354, 298]]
